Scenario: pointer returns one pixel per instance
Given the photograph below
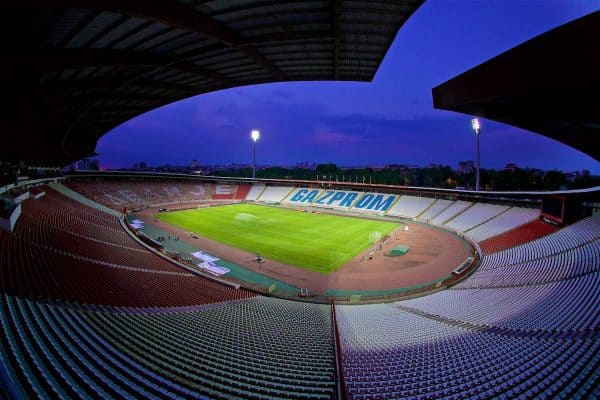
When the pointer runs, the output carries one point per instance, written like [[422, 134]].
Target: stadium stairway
[[436, 208], [84, 200]]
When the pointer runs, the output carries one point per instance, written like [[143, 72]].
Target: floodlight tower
[[255, 134], [477, 129]]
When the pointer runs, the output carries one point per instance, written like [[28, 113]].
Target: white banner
[[224, 189], [200, 255], [213, 269]]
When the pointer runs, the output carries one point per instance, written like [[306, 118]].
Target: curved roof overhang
[[548, 85], [74, 69]]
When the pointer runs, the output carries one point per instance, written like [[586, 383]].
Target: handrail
[[342, 394], [28, 183], [331, 183]]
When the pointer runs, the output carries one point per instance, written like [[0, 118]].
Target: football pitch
[[318, 242]]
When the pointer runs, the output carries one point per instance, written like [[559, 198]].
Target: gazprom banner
[[303, 196], [375, 202], [345, 199]]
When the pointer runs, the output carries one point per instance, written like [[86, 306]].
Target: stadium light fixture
[[255, 135], [475, 125], [477, 129]]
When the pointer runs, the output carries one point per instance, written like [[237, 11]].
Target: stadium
[[177, 286]]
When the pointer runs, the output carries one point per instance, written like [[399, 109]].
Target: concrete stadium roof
[[74, 69], [548, 85]]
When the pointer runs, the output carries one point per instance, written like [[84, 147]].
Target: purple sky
[[390, 120]]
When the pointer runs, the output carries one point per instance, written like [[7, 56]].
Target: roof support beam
[[290, 36], [74, 31], [337, 13], [90, 41], [61, 59], [169, 13], [392, 5], [99, 84], [548, 85]]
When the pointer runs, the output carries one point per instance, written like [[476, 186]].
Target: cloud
[[215, 129], [328, 137]]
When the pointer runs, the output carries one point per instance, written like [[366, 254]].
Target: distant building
[[466, 167], [195, 167], [88, 164], [402, 167], [512, 167], [302, 165], [572, 176], [141, 166]]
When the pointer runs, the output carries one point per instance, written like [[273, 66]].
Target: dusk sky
[[390, 120]]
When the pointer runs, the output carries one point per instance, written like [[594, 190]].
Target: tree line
[[441, 176]]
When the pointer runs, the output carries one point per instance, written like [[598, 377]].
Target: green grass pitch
[[318, 242]]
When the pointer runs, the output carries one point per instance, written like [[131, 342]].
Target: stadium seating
[[117, 194], [255, 192], [76, 244], [389, 352], [410, 206], [450, 212], [559, 297], [86, 311], [475, 215], [300, 196], [513, 218], [522, 326], [242, 191], [563, 240], [570, 263], [258, 348], [223, 191], [514, 237], [366, 204], [481, 221], [567, 305], [64, 250], [337, 204], [341, 200], [274, 194], [435, 209]]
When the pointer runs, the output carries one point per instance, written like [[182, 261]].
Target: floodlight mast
[[477, 129], [255, 135]]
